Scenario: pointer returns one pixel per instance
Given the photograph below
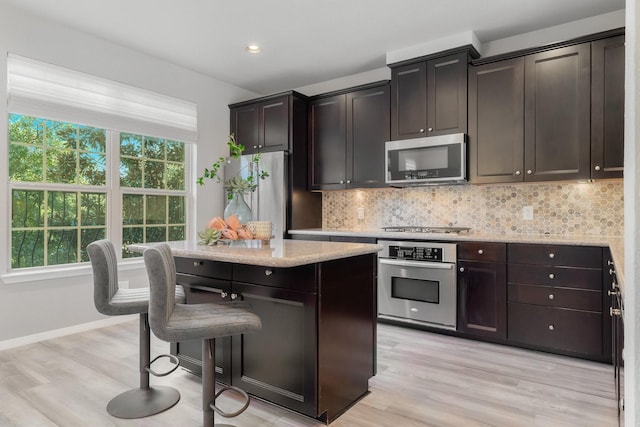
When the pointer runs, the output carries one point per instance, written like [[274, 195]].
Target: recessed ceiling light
[[253, 48]]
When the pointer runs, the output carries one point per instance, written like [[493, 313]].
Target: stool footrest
[[173, 358], [231, 414]]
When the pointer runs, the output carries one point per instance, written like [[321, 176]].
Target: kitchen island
[[316, 351]]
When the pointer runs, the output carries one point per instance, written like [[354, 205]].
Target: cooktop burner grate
[[419, 229]]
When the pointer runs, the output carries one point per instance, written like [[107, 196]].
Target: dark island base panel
[[316, 352]]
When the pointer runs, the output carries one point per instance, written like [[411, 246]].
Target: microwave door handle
[[423, 264]]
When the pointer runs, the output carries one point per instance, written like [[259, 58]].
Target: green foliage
[[236, 184], [208, 236]]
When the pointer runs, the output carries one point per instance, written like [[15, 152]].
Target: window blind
[[44, 90]]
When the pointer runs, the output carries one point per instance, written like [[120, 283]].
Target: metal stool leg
[[144, 401]]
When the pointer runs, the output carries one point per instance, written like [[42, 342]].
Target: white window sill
[[59, 272]]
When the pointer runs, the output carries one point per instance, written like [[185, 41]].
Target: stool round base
[[140, 403]]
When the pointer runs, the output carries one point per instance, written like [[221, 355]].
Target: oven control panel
[[415, 253]]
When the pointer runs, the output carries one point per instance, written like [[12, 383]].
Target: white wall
[[32, 307], [632, 216]]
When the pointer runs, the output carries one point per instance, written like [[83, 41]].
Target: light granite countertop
[[274, 253], [614, 243]]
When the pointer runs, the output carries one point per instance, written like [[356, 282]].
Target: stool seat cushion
[[206, 321]]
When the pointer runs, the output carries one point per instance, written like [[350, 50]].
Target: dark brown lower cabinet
[[482, 289], [556, 300], [316, 351]]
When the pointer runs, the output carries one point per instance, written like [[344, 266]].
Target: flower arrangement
[[236, 184]]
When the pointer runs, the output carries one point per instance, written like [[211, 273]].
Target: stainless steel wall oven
[[417, 283]]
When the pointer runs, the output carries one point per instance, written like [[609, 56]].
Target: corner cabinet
[[482, 289], [553, 115], [429, 97], [607, 108], [267, 124], [316, 351], [347, 132]]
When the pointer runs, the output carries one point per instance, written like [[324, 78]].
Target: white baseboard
[[56, 333]]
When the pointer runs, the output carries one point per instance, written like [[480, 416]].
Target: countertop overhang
[[274, 253]]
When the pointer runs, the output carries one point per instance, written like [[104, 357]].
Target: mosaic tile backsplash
[[586, 209]]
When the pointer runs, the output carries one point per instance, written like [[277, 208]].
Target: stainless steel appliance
[[420, 229], [282, 197], [426, 161], [417, 283]]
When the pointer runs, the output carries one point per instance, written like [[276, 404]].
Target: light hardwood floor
[[423, 380]]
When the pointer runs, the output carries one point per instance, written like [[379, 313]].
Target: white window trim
[[114, 215]]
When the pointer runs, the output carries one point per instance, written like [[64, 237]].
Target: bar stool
[[173, 321], [109, 299]]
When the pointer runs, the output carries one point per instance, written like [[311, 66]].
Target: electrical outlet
[[527, 213], [360, 213]]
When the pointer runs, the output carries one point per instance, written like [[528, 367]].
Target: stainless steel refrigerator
[[282, 197]]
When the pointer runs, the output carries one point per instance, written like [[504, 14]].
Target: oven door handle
[[422, 264]]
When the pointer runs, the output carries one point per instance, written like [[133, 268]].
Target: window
[[90, 158], [58, 175]]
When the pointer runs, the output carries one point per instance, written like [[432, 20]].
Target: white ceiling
[[303, 41]]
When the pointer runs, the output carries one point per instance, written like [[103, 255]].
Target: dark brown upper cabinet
[[263, 125], [429, 97], [607, 108], [496, 122], [347, 133], [557, 114]]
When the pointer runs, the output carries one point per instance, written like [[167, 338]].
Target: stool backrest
[[105, 274], [161, 270]]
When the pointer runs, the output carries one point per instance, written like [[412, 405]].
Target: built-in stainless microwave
[[423, 161]]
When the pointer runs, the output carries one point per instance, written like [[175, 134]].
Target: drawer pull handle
[[268, 272], [552, 255], [552, 276], [480, 251], [551, 296], [197, 263], [234, 296], [551, 327], [223, 294]]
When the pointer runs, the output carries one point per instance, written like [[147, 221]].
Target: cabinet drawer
[[575, 256], [555, 328], [483, 251], [205, 268], [568, 277], [577, 299], [302, 278]]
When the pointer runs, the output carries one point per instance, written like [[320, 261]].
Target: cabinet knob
[[348, 181], [421, 130], [268, 272], [551, 296], [529, 171], [223, 294], [197, 263], [609, 262], [552, 276], [615, 312], [255, 146], [430, 129], [234, 296], [461, 269], [611, 272], [480, 251], [597, 168], [613, 293], [614, 285], [551, 327], [518, 172], [341, 182], [552, 255]]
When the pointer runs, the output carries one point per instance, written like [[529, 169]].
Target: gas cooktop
[[419, 229]]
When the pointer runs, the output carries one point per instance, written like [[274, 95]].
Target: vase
[[238, 206]]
